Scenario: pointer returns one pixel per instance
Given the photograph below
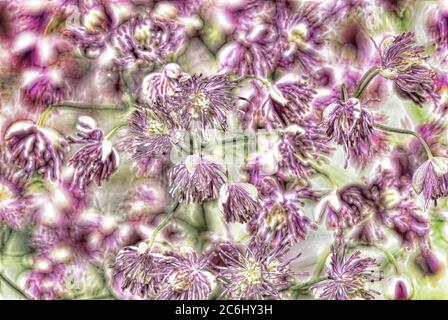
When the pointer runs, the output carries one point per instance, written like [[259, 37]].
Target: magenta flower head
[[238, 202], [251, 54], [96, 160], [281, 218], [299, 144], [402, 61], [161, 85], [431, 179], [203, 102], [149, 139], [148, 40], [137, 270], [43, 90], [196, 179], [437, 26], [35, 149], [350, 125], [184, 277], [255, 271], [343, 208], [348, 277], [301, 36]]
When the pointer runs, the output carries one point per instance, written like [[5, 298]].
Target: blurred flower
[[437, 26], [348, 277], [281, 219], [46, 284], [398, 288], [43, 91], [196, 179], [147, 39]]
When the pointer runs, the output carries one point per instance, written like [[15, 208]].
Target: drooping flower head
[[350, 124], [431, 179], [402, 61], [437, 24], [96, 160], [43, 90], [203, 102], [184, 277], [35, 149], [254, 271], [161, 86], [348, 276], [147, 39], [137, 270], [196, 179], [238, 202]]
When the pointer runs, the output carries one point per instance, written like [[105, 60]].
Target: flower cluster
[[192, 150]]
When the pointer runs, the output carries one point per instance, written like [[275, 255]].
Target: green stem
[[308, 284], [386, 253], [13, 286], [85, 106], [344, 92], [43, 117], [162, 225], [115, 130], [404, 131], [365, 80]]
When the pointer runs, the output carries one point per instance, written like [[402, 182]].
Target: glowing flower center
[[199, 103], [277, 218], [5, 193], [251, 273], [155, 127], [143, 36], [297, 35], [181, 281]]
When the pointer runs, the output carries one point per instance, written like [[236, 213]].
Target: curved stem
[[365, 80], [162, 225], [344, 92], [308, 284], [404, 131], [12, 285], [386, 253], [43, 117], [115, 130]]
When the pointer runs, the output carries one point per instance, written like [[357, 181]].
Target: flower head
[[238, 202], [350, 125], [147, 39], [149, 141], [281, 219], [43, 90], [402, 61], [203, 102], [184, 277], [431, 178], [35, 149], [348, 277], [255, 271], [137, 269], [196, 179], [96, 160]]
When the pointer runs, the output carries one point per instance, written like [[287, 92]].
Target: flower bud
[[398, 288]]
